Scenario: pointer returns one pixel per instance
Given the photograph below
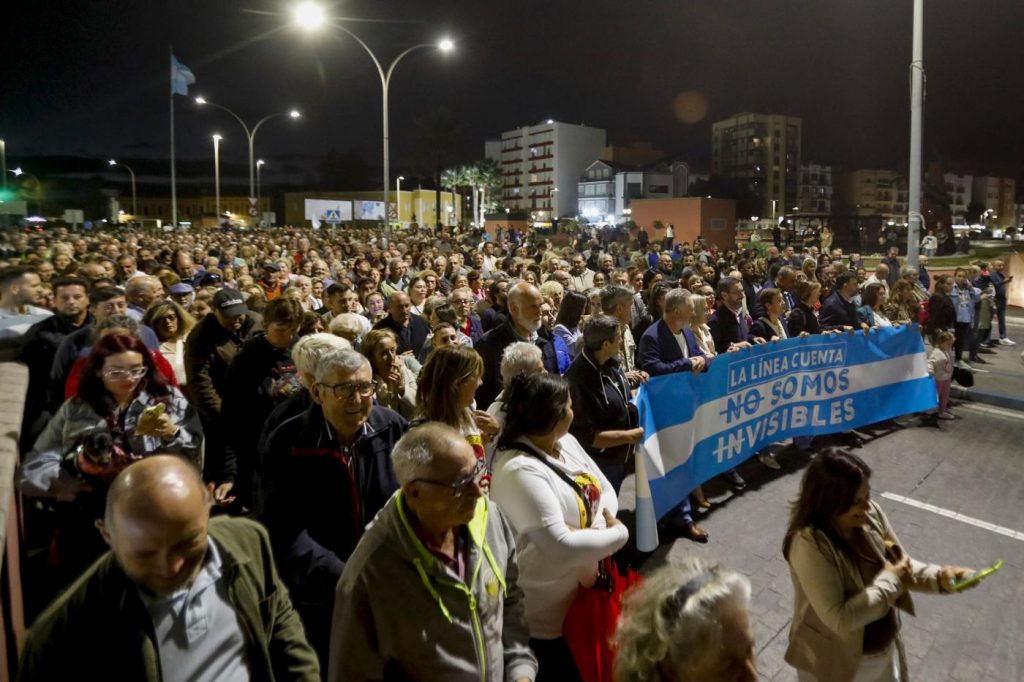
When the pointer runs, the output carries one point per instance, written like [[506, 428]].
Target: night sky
[[91, 78]]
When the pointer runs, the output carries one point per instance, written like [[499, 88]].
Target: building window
[[718, 223]]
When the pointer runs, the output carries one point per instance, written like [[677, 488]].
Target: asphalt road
[[971, 467]]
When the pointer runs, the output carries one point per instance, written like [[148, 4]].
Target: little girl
[[940, 366]]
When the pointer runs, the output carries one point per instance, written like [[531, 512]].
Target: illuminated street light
[[135, 205], [311, 17], [216, 174], [249, 133]]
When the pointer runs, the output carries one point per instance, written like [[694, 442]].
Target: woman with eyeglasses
[[171, 324], [561, 507], [686, 622], [123, 409], [446, 390]]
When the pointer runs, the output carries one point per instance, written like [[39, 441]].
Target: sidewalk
[[1001, 381]]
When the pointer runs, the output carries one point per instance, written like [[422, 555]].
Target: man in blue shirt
[[965, 297]]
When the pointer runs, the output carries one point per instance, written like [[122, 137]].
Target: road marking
[[956, 516], [985, 409]]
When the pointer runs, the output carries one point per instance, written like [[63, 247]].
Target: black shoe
[[987, 350], [735, 481], [979, 361], [684, 529]]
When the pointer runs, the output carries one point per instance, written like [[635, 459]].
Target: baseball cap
[[230, 302], [181, 289], [271, 265]]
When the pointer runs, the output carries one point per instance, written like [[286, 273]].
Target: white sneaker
[[1007, 342], [768, 460], [960, 364]]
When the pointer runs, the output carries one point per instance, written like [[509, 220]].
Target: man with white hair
[[453, 555], [523, 323], [326, 473]]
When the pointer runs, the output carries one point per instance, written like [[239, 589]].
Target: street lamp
[[216, 174], [398, 198], [3, 162], [135, 205], [311, 17], [249, 133], [259, 165]]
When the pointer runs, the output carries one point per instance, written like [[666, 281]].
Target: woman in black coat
[[802, 317], [771, 325]]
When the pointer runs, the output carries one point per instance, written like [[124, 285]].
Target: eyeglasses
[[124, 374], [459, 487], [348, 390]]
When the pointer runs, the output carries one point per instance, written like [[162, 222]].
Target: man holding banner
[[698, 425], [669, 347]]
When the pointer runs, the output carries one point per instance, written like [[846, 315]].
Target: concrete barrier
[[14, 382]]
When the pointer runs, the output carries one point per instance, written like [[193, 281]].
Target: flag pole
[[174, 179]]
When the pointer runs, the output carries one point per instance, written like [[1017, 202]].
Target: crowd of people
[[413, 448]]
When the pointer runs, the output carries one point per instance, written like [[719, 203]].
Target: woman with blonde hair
[[396, 383], [687, 622], [171, 323], [445, 392]]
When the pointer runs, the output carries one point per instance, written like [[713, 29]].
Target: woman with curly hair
[[687, 622]]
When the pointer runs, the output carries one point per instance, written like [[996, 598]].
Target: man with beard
[[39, 346], [523, 324]]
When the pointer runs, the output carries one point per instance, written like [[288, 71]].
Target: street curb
[[1010, 402]]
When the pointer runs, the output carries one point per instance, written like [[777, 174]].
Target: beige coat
[[832, 604]]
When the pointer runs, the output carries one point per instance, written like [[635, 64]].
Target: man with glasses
[[439, 560], [327, 472], [469, 324]]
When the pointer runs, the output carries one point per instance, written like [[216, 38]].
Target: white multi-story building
[[542, 165], [960, 188]]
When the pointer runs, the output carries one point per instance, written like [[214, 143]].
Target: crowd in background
[[470, 391]]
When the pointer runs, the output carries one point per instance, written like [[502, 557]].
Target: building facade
[[763, 150], [712, 219], [997, 196], [814, 196], [412, 206], [542, 164], [875, 192], [197, 210], [960, 189], [606, 189]]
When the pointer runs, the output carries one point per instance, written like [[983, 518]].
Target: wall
[[690, 216]]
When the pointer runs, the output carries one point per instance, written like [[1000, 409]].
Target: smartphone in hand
[[976, 577]]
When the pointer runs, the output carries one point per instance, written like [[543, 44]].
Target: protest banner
[[697, 426]]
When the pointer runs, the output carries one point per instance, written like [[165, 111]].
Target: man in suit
[[411, 330], [669, 346], [730, 328], [839, 311]]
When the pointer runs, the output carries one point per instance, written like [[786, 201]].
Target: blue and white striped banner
[[699, 426]]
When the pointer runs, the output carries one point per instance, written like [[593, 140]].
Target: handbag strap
[[576, 488]]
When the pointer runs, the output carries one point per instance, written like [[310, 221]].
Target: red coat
[[75, 376]]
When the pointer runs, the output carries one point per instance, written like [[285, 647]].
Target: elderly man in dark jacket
[[124, 619], [523, 324], [327, 473], [411, 330]]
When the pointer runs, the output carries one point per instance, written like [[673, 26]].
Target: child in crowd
[[940, 366]]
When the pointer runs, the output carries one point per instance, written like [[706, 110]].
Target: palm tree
[[438, 133]]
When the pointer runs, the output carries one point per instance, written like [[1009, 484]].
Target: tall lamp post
[[914, 217], [249, 133], [310, 16], [135, 203], [398, 198], [259, 164], [216, 174]]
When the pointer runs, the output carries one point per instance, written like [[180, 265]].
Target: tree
[[974, 211], [438, 132]]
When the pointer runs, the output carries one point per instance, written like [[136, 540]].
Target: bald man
[[431, 591], [178, 597], [523, 324]]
